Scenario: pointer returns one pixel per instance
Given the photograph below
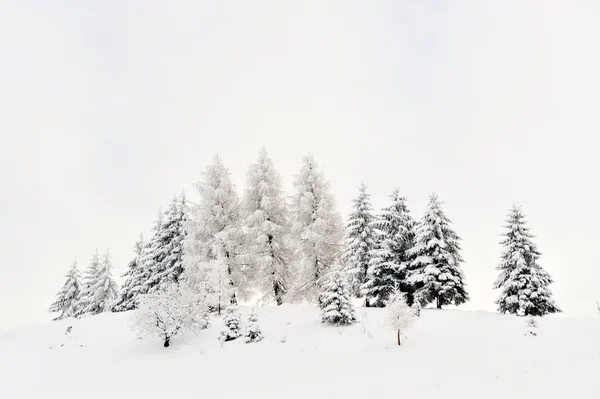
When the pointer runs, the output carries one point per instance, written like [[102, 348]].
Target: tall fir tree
[[132, 284], [390, 260], [105, 291], [267, 242], [67, 299], [214, 236], [437, 261], [523, 282], [89, 280], [317, 229], [360, 241]]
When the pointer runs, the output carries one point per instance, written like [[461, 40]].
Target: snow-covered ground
[[446, 354]]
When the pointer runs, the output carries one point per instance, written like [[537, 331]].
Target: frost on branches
[[67, 299], [523, 282], [214, 236], [400, 315], [132, 284], [390, 261], [335, 300], [253, 331], [233, 324], [317, 229], [360, 240], [267, 243], [170, 312], [104, 292], [436, 272]]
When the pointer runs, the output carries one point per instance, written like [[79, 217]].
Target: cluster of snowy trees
[[266, 248]]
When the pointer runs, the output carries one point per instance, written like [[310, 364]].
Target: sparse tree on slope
[[360, 240], [214, 236], [523, 282], [105, 291], [67, 299], [132, 284], [317, 229], [437, 271], [390, 261], [267, 229], [335, 299], [89, 280], [400, 315]]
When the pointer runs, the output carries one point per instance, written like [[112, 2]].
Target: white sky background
[[110, 108]]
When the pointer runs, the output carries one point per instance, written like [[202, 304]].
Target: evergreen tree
[[360, 240], [437, 272], [267, 229], [105, 291], [335, 300], [89, 280], [390, 261], [233, 324], [214, 236], [253, 331], [317, 229], [132, 284], [67, 299], [523, 282]]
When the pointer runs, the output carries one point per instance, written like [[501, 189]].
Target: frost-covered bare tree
[[170, 312], [267, 242], [317, 230], [400, 315]]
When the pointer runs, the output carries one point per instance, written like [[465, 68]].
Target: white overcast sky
[[109, 108]]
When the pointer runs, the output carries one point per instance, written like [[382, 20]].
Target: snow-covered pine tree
[[233, 324], [360, 240], [400, 315], [214, 236], [436, 265], [267, 230], [89, 280], [67, 299], [317, 229], [253, 332], [389, 264], [335, 299], [105, 291], [523, 282], [131, 286]]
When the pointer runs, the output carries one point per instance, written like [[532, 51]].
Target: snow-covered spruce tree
[[89, 280], [233, 324], [67, 299], [253, 332], [389, 264], [523, 282], [214, 237], [360, 241], [436, 266], [165, 266], [335, 299], [168, 312], [131, 286], [105, 291], [400, 315], [317, 229], [267, 229]]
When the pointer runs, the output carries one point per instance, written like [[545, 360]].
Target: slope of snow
[[447, 354]]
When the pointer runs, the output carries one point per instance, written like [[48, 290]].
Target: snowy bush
[[233, 324], [416, 307], [531, 326], [170, 312], [335, 301], [253, 331], [400, 315]]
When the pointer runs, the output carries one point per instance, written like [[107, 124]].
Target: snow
[[445, 354]]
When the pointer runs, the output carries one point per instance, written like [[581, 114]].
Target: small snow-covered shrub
[[233, 324], [416, 307], [335, 301], [532, 325], [400, 315], [170, 312], [253, 331]]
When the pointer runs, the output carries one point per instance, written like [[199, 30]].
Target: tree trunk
[[167, 342], [438, 303], [398, 337]]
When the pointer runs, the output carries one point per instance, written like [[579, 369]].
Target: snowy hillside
[[446, 354]]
